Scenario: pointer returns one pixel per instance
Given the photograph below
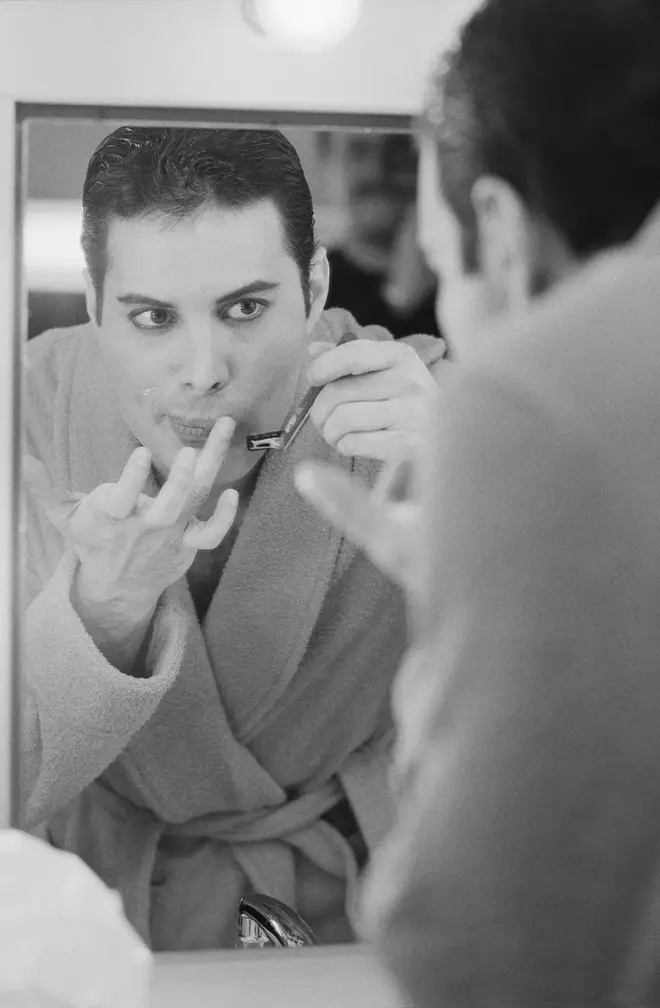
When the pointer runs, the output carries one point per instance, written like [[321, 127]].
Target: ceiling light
[[303, 25]]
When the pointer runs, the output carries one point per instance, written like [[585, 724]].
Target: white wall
[[200, 52]]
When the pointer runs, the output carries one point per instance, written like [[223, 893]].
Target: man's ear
[[90, 296], [319, 284], [507, 246]]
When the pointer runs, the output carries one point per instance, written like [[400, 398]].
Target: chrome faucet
[[264, 921]]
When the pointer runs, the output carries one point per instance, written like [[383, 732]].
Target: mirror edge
[[11, 309]]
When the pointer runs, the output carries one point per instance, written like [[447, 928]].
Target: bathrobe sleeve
[[525, 848], [78, 712]]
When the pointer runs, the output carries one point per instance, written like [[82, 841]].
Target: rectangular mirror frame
[[14, 117]]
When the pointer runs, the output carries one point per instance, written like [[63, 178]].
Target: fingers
[[126, 492], [359, 417], [429, 349], [209, 534], [386, 532], [410, 384], [382, 430], [175, 495], [341, 499], [357, 357], [397, 483], [375, 387], [319, 347], [377, 333], [211, 457], [378, 446]]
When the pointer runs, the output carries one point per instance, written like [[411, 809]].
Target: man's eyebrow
[[251, 288], [138, 299], [234, 295]]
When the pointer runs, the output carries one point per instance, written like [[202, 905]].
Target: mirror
[[217, 742]]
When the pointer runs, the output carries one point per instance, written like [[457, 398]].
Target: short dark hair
[[138, 171], [561, 99]]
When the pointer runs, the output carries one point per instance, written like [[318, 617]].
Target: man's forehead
[[213, 241], [256, 225]]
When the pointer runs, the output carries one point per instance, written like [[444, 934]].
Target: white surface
[[330, 977], [203, 53], [52, 256], [7, 533], [63, 933]]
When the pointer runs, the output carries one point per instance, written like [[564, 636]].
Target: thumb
[[378, 333], [382, 530], [342, 499], [397, 482], [318, 347]]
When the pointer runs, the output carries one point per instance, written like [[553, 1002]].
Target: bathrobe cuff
[[63, 659], [78, 712]]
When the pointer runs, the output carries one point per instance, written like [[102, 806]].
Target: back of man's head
[[560, 99]]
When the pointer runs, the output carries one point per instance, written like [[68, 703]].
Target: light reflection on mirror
[[260, 768]]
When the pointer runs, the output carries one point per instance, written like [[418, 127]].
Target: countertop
[[325, 977]]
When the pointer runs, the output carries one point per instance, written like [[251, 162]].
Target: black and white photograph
[[330, 503]]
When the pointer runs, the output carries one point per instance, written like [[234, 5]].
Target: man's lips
[[191, 428]]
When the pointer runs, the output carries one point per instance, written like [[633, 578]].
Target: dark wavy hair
[[139, 171], [561, 99]]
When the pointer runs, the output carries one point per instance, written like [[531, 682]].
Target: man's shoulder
[[55, 343], [49, 361], [595, 338], [48, 354]]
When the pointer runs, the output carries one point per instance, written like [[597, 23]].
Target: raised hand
[[132, 547], [383, 522], [375, 397]]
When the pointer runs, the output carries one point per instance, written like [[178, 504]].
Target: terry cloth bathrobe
[[211, 777]]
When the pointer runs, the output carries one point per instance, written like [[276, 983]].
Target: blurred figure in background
[[524, 869], [379, 273]]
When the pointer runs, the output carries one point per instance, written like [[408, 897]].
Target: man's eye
[[152, 318], [245, 311]]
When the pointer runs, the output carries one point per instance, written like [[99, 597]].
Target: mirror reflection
[[208, 663]]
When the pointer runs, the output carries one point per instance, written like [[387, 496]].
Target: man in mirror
[[208, 663], [524, 866]]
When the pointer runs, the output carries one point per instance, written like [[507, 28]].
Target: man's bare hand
[[132, 547], [383, 522], [374, 399]]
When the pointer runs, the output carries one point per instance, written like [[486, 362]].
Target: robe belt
[[262, 824], [252, 826]]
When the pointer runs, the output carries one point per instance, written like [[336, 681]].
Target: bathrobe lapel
[[268, 601]]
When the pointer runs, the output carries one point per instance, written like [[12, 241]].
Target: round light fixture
[[303, 25]]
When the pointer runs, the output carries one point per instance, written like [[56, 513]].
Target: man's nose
[[207, 368]]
